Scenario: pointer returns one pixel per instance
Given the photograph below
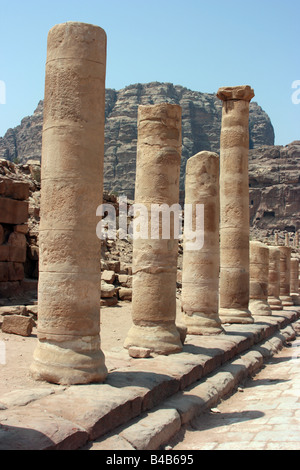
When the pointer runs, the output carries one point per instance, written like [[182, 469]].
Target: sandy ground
[[18, 351]]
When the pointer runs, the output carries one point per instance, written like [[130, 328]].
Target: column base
[[160, 339], [275, 303], [56, 363], [286, 301], [295, 299], [259, 307], [235, 315], [199, 324]]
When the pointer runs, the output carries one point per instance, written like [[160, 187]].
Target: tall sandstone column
[[285, 276], [154, 265], [274, 278], [234, 205], [68, 350], [259, 279], [200, 270]]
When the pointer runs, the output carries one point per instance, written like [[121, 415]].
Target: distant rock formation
[[274, 181], [201, 125]]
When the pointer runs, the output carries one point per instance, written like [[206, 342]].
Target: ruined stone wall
[[13, 228], [19, 217]]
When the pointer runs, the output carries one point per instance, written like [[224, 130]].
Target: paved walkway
[[145, 402], [263, 415]]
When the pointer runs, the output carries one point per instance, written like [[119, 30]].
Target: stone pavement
[[264, 414], [144, 403]]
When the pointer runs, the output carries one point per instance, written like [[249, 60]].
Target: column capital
[[243, 92]]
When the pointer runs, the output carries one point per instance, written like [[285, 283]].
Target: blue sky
[[198, 44]]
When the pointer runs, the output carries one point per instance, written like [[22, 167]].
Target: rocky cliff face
[[24, 142], [273, 170], [274, 182], [201, 125]]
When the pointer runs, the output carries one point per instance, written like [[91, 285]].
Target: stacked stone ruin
[[13, 228], [220, 282]]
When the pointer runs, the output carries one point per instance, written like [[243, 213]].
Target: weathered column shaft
[[259, 278], [294, 275], [294, 287], [154, 264], [274, 278], [200, 270], [234, 205], [285, 276], [68, 350]]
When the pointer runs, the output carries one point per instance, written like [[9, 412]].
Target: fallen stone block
[[109, 302], [12, 310], [108, 276], [125, 293], [17, 325], [137, 352], [125, 280], [113, 265], [107, 290]]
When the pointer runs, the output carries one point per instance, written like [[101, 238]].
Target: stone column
[[274, 278], [259, 278], [287, 239], [200, 270], [68, 350], [234, 205], [295, 280], [285, 276], [154, 265]]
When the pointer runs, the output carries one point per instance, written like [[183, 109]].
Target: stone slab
[[152, 430], [99, 407], [38, 430], [147, 380]]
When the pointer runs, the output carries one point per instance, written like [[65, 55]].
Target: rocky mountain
[[274, 189], [201, 125], [273, 170]]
